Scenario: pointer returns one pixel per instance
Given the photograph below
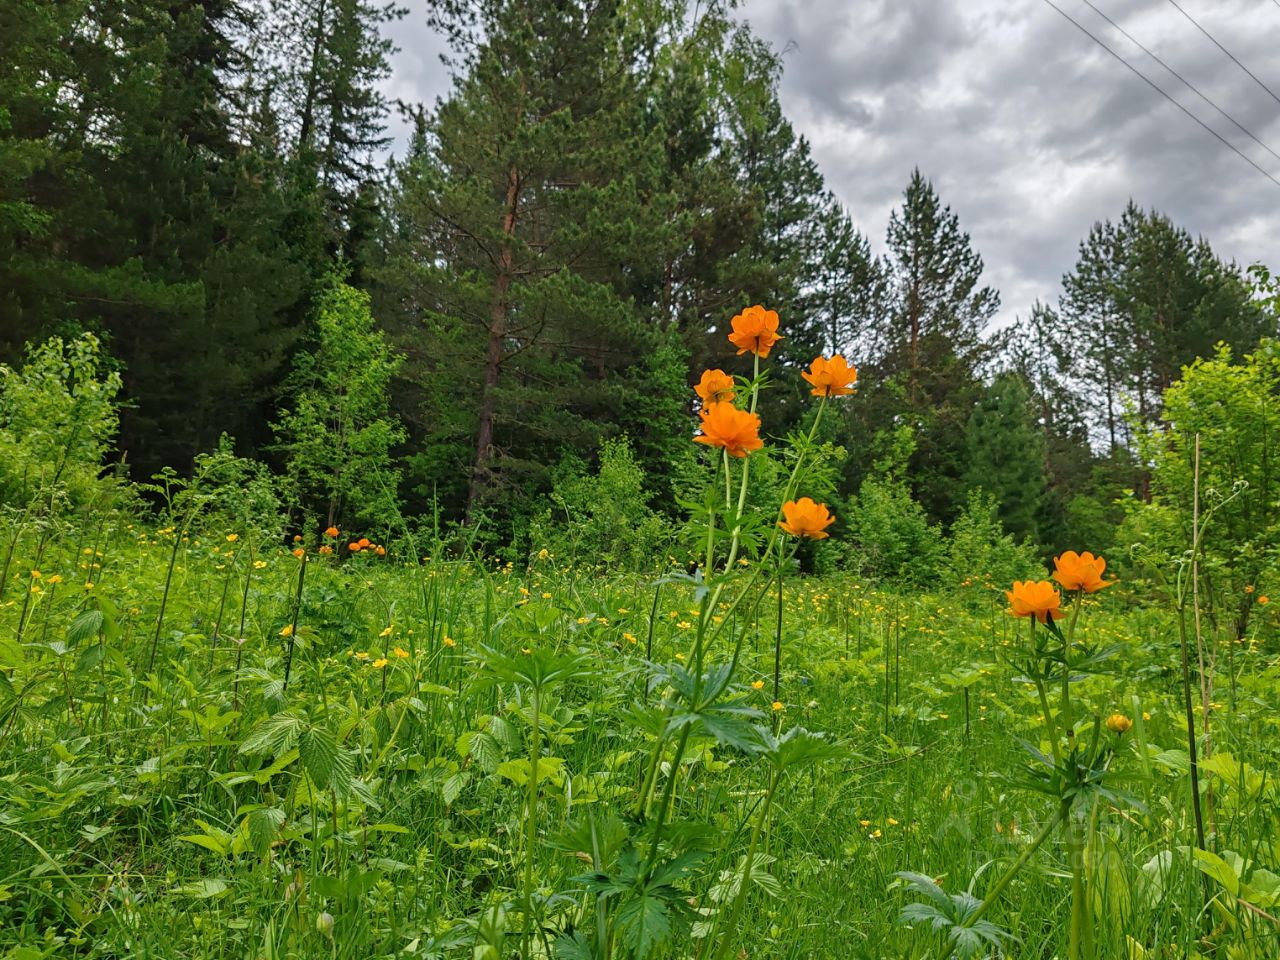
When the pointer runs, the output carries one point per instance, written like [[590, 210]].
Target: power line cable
[[1187, 83], [1174, 4], [1158, 89]]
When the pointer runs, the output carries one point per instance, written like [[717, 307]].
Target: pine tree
[[1144, 299], [530, 197], [929, 346]]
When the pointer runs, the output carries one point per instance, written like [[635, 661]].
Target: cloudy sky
[[1029, 129]]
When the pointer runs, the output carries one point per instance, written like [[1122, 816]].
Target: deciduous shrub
[[58, 419]]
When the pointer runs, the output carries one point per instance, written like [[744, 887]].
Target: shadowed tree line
[[549, 263]]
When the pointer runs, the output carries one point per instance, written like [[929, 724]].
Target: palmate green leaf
[[274, 734], [695, 691], [795, 748], [518, 771], [318, 751], [575, 946], [645, 923], [729, 727], [541, 668], [757, 876], [596, 833], [951, 913], [84, 627]]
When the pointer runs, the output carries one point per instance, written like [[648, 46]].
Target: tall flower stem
[[744, 881], [1014, 870], [293, 624], [1050, 729], [531, 818], [1068, 721]]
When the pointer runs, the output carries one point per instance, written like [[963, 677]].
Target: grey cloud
[[1030, 130]]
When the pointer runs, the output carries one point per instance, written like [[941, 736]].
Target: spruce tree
[[1006, 457]]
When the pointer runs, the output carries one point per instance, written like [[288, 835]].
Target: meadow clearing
[[220, 742], [558, 480]]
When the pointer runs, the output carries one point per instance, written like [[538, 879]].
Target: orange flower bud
[[1119, 723]]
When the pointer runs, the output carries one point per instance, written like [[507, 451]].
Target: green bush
[[338, 433], [240, 494], [978, 550], [58, 419], [602, 519], [893, 537]]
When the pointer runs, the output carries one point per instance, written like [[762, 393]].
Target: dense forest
[[475, 330]]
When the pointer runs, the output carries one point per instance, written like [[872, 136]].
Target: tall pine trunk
[[493, 354], [308, 111]]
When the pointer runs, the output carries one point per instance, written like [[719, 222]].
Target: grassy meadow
[[496, 500], [213, 747]]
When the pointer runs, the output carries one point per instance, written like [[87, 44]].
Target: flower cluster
[[726, 426], [363, 544]]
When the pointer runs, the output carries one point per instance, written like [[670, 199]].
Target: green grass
[[192, 807]]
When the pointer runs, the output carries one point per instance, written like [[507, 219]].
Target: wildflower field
[[224, 740]]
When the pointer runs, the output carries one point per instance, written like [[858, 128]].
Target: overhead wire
[[1160, 90], [1196, 24], [1187, 83]]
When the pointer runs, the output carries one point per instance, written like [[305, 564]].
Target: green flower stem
[[531, 819], [664, 807], [1067, 720], [744, 882], [1080, 942], [293, 624], [1014, 870]]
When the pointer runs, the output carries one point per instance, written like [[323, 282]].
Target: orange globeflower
[[326, 549], [755, 329], [1034, 598], [354, 547], [736, 431], [1080, 571], [716, 386], [331, 533], [831, 378], [298, 552], [804, 518]]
